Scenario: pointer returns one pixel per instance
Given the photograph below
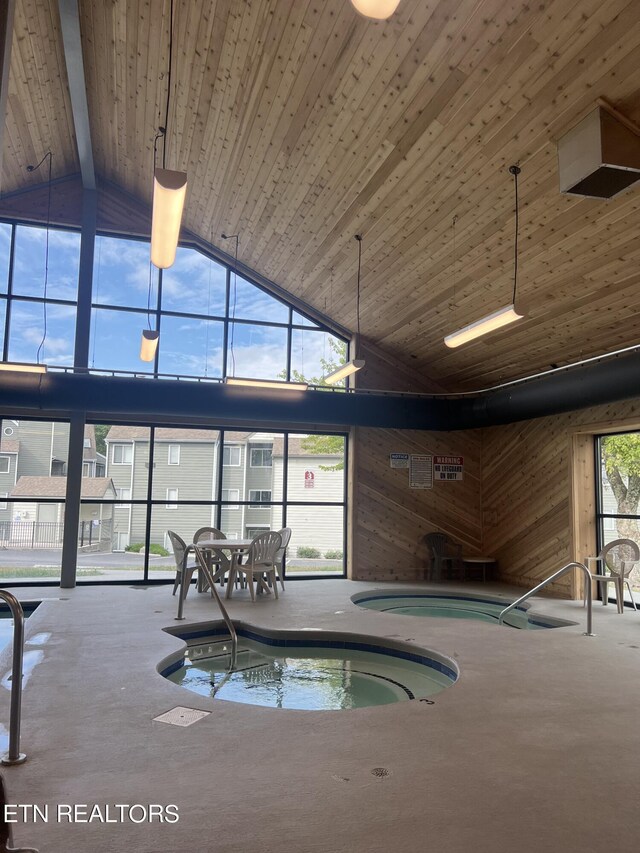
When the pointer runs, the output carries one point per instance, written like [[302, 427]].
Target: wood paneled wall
[[538, 492], [527, 498], [390, 519]]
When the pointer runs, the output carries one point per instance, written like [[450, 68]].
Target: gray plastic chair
[[220, 564], [260, 560], [619, 557], [285, 535], [181, 553], [446, 556]]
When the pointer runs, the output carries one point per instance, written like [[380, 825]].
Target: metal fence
[[49, 534], [31, 534]]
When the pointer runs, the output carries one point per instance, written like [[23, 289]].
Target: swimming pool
[[6, 620], [456, 606], [307, 670]]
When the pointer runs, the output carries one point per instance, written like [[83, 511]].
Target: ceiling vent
[[600, 156]]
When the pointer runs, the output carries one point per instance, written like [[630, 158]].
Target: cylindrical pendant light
[[169, 190], [377, 9], [149, 344]]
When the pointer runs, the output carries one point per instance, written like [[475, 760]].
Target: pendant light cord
[[515, 171], [455, 261], [48, 155], [166, 115], [358, 237]]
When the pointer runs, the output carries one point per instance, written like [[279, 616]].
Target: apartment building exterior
[[253, 476], [33, 467]]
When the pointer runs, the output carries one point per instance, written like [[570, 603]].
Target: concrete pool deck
[[535, 748]]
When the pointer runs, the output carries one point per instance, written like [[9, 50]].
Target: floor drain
[[181, 716], [380, 772]]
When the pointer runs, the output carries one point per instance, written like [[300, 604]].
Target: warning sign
[[309, 479], [448, 467]]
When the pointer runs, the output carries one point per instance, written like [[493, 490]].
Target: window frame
[[230, 447], [125, 500], [260, 450], [173, 447], [6, 456], [227, 502], [175, 501], [121, 445], [264, 503]]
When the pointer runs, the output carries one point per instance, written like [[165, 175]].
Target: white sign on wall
[[420, 471], [309, 479], [399, 460], [448, 467]]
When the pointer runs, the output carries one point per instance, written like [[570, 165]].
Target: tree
[[101, 433], [621, 459]]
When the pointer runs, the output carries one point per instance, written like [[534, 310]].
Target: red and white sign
[[309, 479], [448, 467]]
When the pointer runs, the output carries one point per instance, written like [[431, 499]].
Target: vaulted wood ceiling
[[300, 124]]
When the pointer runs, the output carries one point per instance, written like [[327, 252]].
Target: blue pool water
[[6, 621], [308, 673], [456, 607]]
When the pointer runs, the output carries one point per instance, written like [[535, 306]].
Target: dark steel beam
[[202, 403]]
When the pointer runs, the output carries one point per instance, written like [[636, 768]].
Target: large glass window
[[618, 505], [128, 509], [32, 499], [213, 323], [259, 352], [30, 260], [5, 254], [121, 273], [195, 284]]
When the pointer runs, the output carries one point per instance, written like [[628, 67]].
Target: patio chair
[[259, 560], [219, 563], [618, 557], [445, 556], [181, 553], [285, 535]]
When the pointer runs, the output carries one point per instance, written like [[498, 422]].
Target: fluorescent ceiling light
[[267, 383], [148, 344], [169, 190], [378, 9], [23, 368], [344, 370], [482, 327]]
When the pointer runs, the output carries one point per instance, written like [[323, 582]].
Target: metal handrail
[[554, 576], [207, 573], [14, 756]]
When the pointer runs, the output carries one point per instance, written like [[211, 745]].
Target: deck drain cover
[[181, 716], [380, 772]]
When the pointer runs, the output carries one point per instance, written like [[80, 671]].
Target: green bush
[[309, 553], [153, 549], [333, 555]]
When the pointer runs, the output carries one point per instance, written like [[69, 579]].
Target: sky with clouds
[[189, 346]]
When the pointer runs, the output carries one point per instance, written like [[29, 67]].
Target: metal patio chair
[[445, 556]]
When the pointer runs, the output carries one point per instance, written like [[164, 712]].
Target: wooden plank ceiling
[[301, 124]]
